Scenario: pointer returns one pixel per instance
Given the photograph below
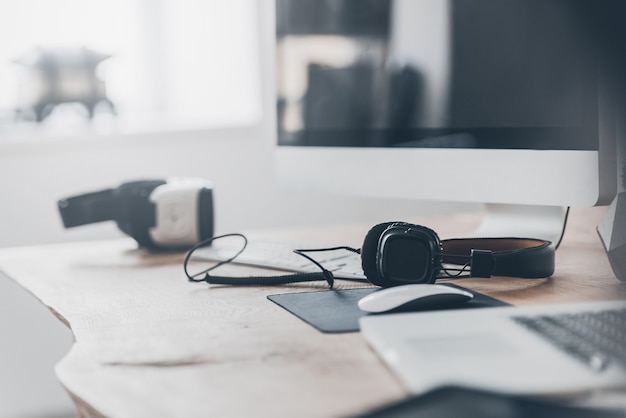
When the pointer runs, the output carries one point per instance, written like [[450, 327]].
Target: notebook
[[546, 349]]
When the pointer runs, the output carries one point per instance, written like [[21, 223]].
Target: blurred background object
[[167, 65], [58, 76]]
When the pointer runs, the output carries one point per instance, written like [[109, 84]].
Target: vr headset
[[158, 214]]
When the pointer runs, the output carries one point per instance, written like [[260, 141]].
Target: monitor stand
[[523, 221]]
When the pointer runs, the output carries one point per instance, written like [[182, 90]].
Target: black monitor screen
[[499, 74]]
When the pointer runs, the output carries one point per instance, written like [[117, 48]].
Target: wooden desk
[[150, 344]]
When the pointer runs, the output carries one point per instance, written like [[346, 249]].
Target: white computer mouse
[[414, 297]]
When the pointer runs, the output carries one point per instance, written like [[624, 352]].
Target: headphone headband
[[512, 257]]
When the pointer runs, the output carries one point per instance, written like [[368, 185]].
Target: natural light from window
[[83, 67]]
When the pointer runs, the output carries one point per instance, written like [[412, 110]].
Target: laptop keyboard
[[594, 338]]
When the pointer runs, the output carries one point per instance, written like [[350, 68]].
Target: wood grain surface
[[150, 344]]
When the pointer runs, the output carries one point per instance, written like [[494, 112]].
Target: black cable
[[205, 243], [563, 230], [271, 280], [325, 275], [301, 252], [457, 275], [351, 249]]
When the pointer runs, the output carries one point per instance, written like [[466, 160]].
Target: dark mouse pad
[[337, 310]]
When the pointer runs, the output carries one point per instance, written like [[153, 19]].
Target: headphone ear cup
[[369, 251]]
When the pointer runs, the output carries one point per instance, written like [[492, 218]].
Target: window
[[136, 65]]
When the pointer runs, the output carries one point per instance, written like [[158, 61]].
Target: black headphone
[[398, 253]]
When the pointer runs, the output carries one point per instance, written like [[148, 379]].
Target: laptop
[[533, 350]]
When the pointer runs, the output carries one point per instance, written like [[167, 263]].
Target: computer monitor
[[505, 102]]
